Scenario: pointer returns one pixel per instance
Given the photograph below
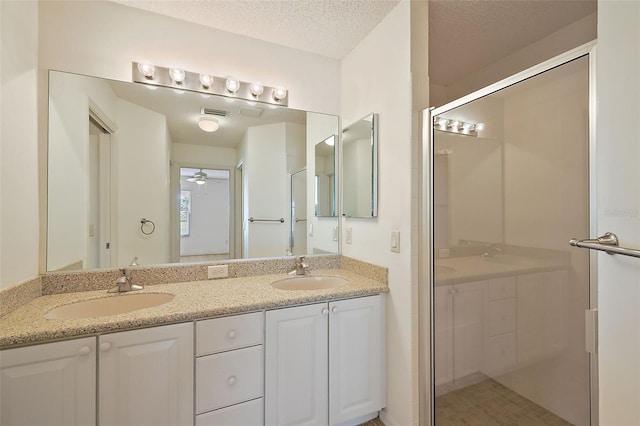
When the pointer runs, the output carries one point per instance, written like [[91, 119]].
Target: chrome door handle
[[607, 243]]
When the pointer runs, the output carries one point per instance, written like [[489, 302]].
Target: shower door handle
[[607, 243]]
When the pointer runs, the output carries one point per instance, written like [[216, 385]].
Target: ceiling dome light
[[279, 93], [208, 124], [146, 69], [177, 75], [232, 85], [256, 89], [206, 80]]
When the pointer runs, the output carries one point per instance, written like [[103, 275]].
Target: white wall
[[19, 176], [265, 178], [142, 187], [376, 77], [618, 199], [68, 172]]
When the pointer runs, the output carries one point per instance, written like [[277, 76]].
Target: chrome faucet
[[301, 268], [491, 250], [124, 284]]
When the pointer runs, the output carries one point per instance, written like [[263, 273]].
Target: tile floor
[[489, 403]]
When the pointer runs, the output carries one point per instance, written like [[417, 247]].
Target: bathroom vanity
[[233, 351]]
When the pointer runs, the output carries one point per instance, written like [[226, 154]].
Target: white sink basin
[[309, 283], [106, 306]]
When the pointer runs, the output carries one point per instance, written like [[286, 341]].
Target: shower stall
[[504, 297]]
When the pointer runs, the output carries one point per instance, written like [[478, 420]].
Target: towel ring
[[143, 222]]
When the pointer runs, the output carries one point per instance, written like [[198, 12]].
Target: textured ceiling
[[326, 27], [468, 35]]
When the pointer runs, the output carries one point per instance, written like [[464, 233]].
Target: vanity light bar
[[176, 78], [457, 127]]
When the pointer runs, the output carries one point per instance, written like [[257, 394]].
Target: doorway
[[204, 214], [508, 178]]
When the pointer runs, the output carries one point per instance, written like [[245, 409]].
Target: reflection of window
[[185, 213]]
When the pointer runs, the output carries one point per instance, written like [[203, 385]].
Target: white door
[[296, 366], [146, 377], [356, 361], [49, 384]]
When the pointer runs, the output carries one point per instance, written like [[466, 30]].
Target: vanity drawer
[[224, 334], [502, 316], [229, 378], [502, 288], [250, 413]]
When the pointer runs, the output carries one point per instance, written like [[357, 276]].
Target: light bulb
[[479, 127], [206, 80], [201, 181], [208, 124], [177, 75], [146, 69], [279, 93], [232, 85], [257, 89]]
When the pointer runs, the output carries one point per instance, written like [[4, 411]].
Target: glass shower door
[[511, 186]]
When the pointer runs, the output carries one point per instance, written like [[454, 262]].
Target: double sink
[[126, 303]]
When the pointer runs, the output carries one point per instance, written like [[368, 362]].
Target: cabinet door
[[49, 384], [356, 358], [296, 366], [146, 377], [468, 334], [444, 334]]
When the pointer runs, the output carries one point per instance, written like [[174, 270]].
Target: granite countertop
[[193, 300], [455, 270]]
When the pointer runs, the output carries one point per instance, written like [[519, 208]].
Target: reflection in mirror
[[120, 152], [360, 168], [325, 179], [469, 178]]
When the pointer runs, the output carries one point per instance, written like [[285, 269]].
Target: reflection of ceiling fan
[[198, 177]]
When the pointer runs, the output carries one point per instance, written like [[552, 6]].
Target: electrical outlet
[[348, 238], [218, 271], [395, 241]]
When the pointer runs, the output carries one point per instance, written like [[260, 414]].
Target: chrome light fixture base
[[161, 77]]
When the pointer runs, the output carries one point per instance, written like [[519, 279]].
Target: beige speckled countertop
[[193, 300], [455, 270]]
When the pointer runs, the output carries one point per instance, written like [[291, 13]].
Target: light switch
[[348, 236], [395, 241]]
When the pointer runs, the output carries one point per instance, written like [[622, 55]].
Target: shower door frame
[[426, 269]]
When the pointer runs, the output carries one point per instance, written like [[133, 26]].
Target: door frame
[[174, 200], [426, 269]]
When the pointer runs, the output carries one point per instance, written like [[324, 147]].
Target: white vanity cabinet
[[146, 376], [459, 330], [324, 362], [49, 384], [230, 371]]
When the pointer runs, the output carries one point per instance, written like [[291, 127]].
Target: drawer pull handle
[[325, 311], [85, 350], [334, 309], [105, 346], [231, 334], [232, 380]]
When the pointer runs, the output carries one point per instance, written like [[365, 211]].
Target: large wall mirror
[[168, 176], [360, 168]]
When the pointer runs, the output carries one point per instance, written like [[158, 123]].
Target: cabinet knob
[[325, 311], [232, 380], [105, 346], [231, 334], [334, 309], [85, 350]]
